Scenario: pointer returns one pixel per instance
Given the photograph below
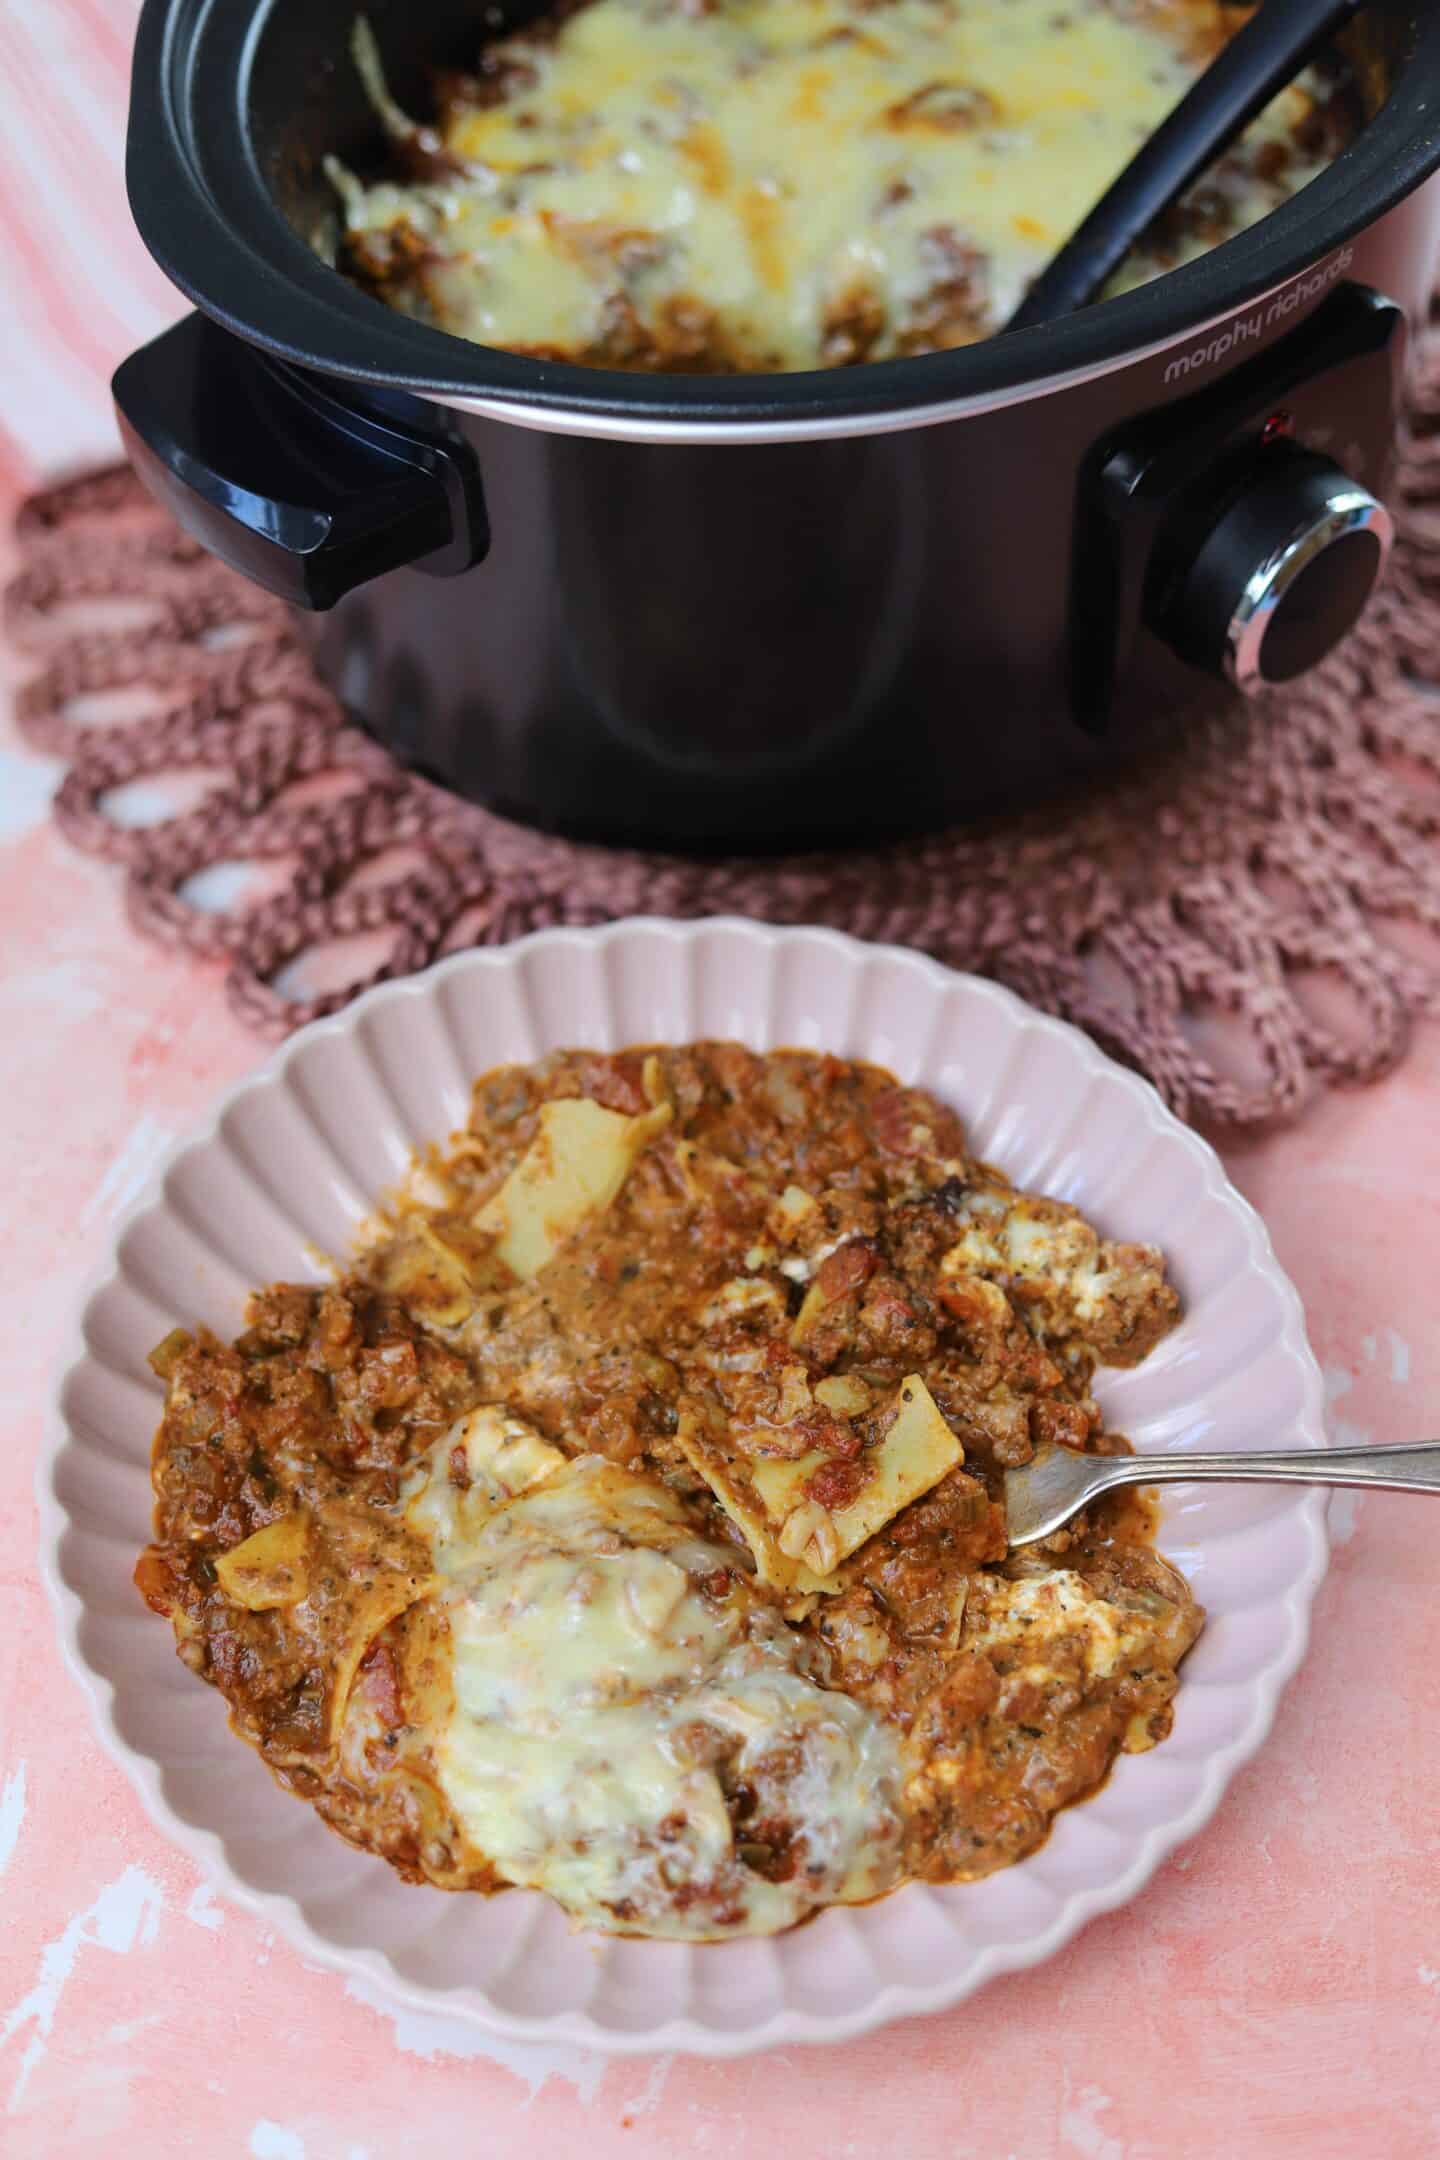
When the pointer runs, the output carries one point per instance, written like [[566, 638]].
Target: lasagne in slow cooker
[[764, 185]]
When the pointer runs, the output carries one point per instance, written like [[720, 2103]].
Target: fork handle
[[1414, 1468]]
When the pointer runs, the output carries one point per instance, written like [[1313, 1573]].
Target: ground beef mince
[[781, 1294]]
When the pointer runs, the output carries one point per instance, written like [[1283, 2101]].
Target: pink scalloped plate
[[286, 1169]]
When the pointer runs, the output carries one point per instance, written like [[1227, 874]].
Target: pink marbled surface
[[1276, 1990]]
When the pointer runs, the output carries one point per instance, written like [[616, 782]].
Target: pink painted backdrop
[[1276, 1991]]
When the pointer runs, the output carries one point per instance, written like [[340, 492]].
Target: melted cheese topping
[[1051, 1622], [612, 1679], [1073, 1282], [794, 183], [1017, 1235], [486, 1459]]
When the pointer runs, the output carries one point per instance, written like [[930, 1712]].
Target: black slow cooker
[[764, 611]]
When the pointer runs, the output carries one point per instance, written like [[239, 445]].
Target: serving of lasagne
[[626, 1520], [741, 185]]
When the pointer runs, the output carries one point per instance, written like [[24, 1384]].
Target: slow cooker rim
[[210, 219]]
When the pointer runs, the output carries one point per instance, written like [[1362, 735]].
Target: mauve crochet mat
[[1252, 917]]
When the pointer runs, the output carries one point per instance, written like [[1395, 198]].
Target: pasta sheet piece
[[268, 1569], [573, 1169], [797, 1541], [332, 1585]]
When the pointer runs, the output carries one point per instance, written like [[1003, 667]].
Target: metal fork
[[1043, 1495]]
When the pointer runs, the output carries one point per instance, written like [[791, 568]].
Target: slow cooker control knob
[[1261, 582]]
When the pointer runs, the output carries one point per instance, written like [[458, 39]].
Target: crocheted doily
[[1243, 921]]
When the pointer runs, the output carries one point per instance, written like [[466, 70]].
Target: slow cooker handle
[[286, 479]]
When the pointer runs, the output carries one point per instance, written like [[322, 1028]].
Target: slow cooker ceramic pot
[[764, 611]]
